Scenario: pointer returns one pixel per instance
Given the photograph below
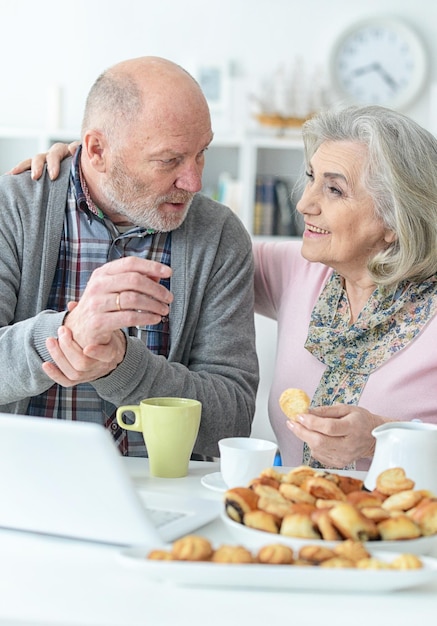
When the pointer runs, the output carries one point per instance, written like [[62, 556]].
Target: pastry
[[402, 501], [392, 481], [375, 513], [348, 554], [271, 472], [361, 499], [262, 520], [325, 526], [265, 480], [302, 507], [348, 483], [406, 561], [192, 548], [299, 525], [351, 523], [321, 487], [232, 554], [293, 402], [315, 554], [160, 555], [307, 503], [239, 501], [276, 553], [425, 516], [267, 491], [353, 550], [298, 475], [278, 508], [326, 504], [399, 527], [296, 494]]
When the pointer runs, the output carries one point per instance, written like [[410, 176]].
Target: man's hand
[[73, 366], [56, 153], [119, 294]]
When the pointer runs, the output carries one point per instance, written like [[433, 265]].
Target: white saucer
[[214, 481]]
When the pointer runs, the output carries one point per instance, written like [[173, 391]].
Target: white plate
[[285, 577], [254, 539], [214, 481]]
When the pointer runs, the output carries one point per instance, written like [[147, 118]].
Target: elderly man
[[119, 280]]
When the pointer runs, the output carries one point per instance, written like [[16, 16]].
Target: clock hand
[[386, 77], [373, 67], [376, 67]]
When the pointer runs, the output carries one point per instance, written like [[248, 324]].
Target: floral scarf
[[351, 352]]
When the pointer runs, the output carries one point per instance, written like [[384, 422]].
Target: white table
[[47, 581]]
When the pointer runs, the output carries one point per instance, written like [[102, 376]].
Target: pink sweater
[[286, 289]]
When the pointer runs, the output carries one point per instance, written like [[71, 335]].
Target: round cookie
[[293, 402]]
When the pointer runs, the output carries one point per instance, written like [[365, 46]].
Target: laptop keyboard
[[160, 517]]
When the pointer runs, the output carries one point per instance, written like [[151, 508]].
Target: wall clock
[[379, 61]]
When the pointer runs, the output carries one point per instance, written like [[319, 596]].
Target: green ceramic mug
[[170, 427]]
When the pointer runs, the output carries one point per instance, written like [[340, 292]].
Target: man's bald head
[[142, 88]]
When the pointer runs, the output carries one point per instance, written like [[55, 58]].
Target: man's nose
[[190, 178]]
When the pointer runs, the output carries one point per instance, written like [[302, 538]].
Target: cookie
[[276, 554], [192, 548], [232, 554], [293, 402], [392, 481]]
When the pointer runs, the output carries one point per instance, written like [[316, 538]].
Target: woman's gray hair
[[401, 177]]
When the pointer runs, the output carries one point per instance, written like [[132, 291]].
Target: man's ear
[[95, 146]]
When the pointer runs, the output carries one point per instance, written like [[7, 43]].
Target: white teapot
[[410, 445]]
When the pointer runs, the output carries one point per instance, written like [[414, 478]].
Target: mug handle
[[134, 408]]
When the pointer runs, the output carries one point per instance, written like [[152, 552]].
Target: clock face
[[379, 62]]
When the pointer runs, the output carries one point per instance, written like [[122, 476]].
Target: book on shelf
[[263, 217], [229, 192], [274, 209]]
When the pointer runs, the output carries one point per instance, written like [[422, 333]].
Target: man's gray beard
[[147, 216], [140, 212]]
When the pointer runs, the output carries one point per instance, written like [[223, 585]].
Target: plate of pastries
[[193, 560], [305, 505]]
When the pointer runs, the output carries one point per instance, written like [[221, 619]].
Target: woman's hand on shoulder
[[57, 152], [337, 434]]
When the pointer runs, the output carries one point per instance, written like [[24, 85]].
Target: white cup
[[244, 458]]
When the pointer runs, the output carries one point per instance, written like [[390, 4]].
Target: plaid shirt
[[88, 241]]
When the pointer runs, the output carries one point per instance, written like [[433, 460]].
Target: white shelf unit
[[245, 157], [241, 157]]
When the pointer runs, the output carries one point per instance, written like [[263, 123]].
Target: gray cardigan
[[212, 355]]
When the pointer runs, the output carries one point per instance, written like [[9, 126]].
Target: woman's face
[[341, 229]]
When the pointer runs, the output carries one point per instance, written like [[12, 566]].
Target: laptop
[[67, 478]]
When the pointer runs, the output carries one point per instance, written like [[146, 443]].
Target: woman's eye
[[335, 191], [309, 175]]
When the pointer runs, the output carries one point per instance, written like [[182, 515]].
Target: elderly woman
[[356, 300]]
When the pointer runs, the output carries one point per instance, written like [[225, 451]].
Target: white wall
[[46, 42]]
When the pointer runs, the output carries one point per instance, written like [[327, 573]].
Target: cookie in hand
[[293, 402]]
